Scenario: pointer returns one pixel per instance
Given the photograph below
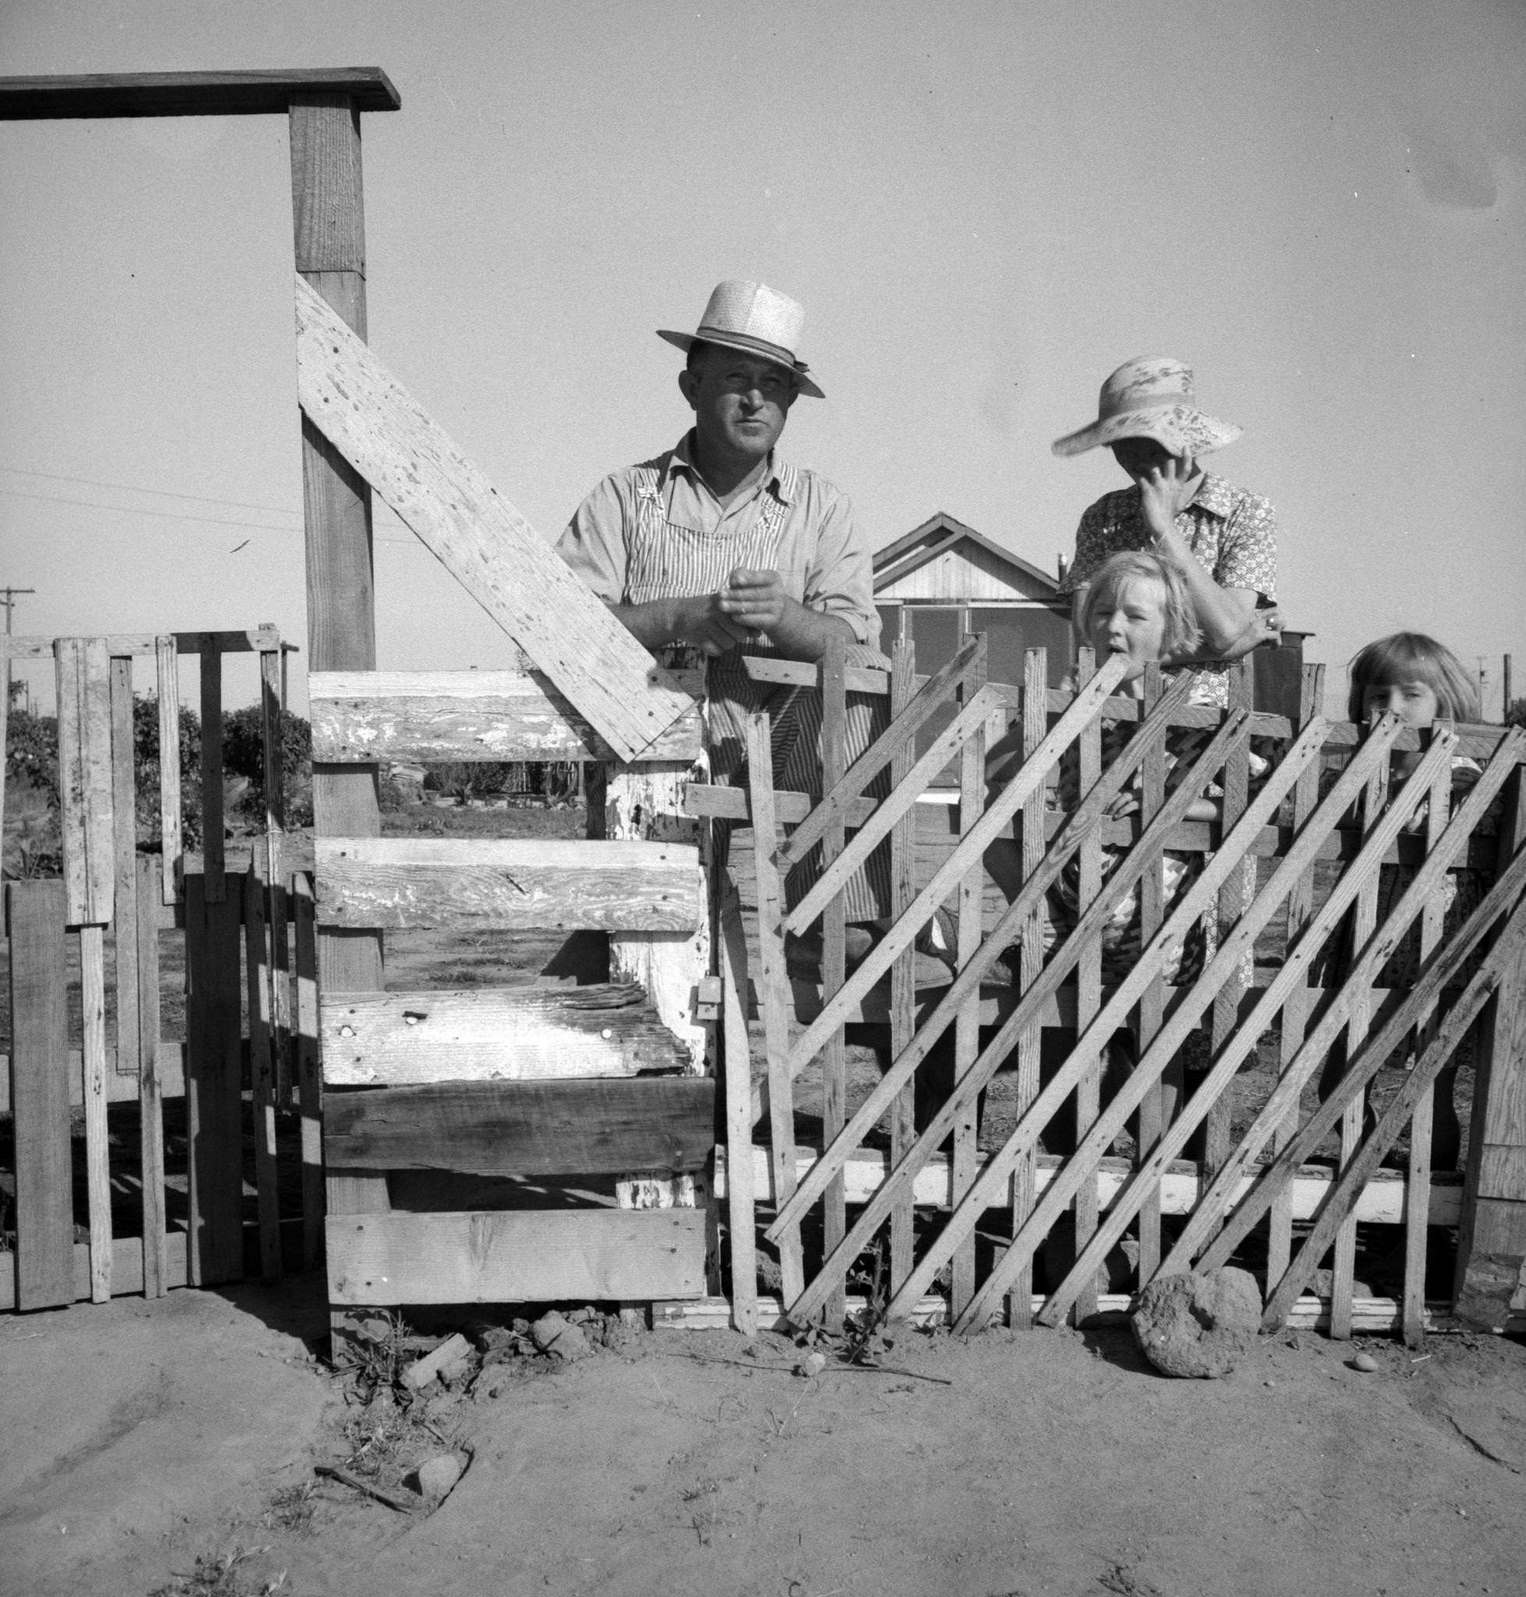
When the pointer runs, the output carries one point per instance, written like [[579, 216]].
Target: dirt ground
[[170, 1447]]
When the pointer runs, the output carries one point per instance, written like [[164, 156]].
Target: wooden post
[[1491, 1239], [125, 818], [150, 1090], [329, 227], [34, 913]]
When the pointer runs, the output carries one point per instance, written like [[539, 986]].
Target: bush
[[244, 755]]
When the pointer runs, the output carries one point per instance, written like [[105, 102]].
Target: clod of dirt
[[554, 1334], [435, 1478], [447, 1362], [1364, 1362], [1198, 1325], [811, 1364]]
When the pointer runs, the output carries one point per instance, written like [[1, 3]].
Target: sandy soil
[[143, 1437]]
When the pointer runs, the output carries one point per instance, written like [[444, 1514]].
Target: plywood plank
[[508, 1257], [508, 883], [500, 1034], [509, 569], [526, 1128], [426, 716], [40, 1094]]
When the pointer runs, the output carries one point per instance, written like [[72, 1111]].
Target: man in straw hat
[[720, 544], [1221, 539]]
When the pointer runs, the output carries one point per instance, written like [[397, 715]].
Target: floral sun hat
[[1150, 397]]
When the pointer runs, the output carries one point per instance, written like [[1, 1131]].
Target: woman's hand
[[1165, 491]]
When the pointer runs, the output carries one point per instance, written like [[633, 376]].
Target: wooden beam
[[512, 883], [426, 716], [98, 94], [121, 645], [493, 1034], [526, 1128], [512, 572], [499, 1256], [84, 778], [44, 1220]]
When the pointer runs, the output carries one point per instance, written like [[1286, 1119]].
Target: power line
[[132, 487]]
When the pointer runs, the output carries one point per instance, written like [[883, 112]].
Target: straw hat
[[756, 318], [1150, 397]]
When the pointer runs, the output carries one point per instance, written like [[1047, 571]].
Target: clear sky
[[984, 207]]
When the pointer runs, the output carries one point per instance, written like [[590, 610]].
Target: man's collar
[[779, 478]]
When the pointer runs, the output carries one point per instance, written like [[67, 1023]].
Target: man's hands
[[1165, 491], [751, 602]]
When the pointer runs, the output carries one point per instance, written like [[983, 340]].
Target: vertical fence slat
[[92, 970], [1417, 1189], [1151, 1008], [1364, 917], [272, 706], [262, 1098], [309, 1083], [212, 870], [737, 1061], [775, 997], [966, 1152], [1088, 1098], [1234, 897], [150, 1091], [213, 1081], [903, 981], [125, 852], [1295, 1013], [834, 1064], [40, 1094], [84, 778], [1029, 830], [171, 842], [1491, 1241]]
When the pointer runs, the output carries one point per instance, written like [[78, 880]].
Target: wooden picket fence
[[852, 1209], [248, 940]]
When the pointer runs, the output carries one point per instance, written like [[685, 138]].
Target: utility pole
[[8, 598]]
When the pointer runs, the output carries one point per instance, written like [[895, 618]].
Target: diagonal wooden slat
[[513, 573], [852, 858], [1035, 997], [1113, 1013], [1252, 1027], [938, 690], [1028, 781], [1285, 1094], [1339, 1207]]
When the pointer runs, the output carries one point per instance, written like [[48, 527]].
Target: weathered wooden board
[[508, 1257], [126, 1269], [38, 646], [167, 676], [512, 884], [512, 572], [84, 778], [214, 1059], [493, 1034], [525, 1128], [429, 716], [1382, 1201], [44, 1220], [188, 93]]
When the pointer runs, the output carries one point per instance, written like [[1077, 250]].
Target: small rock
[[554, 1334], [436, 1476], [811, 1364], [1198, 1324], [1364, 1362]]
